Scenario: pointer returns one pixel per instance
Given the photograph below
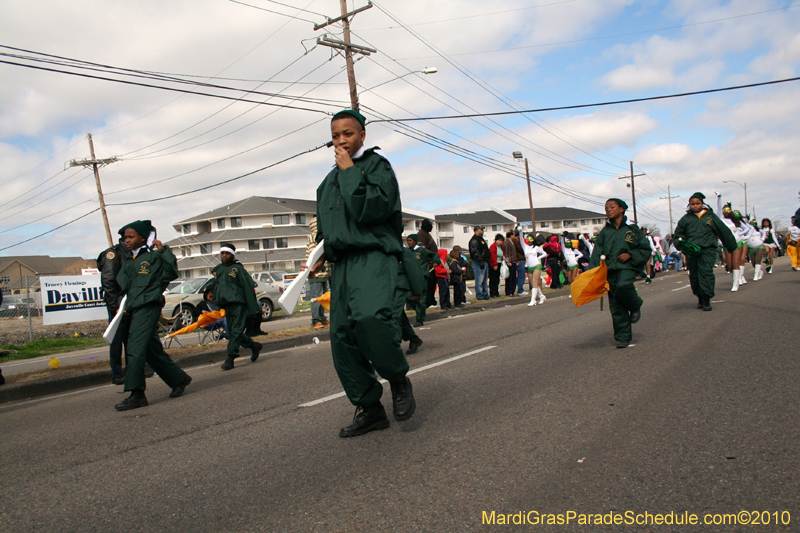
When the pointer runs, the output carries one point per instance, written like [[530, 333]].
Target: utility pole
[[518, 155], [96, 164], [633, 191], [669, 198], [346, 46]]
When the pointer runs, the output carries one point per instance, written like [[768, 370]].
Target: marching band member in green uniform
[[358, 214], [696, 236], [626, 250], [143, 279], [235, 293], [427, 260], [413, 282]]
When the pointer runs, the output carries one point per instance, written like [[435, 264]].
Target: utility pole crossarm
[[342, 16], [669, 198], [95, 164]]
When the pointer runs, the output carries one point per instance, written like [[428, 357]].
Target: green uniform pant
[[405, 326], [420, 307], [366, 304], [145, 346], [237, 321], [701, 272], [622, 300]]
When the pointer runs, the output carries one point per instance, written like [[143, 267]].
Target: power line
[[173, 89], [52, 230], [51, 196], [60, 211], [598, 104], [275, 12]]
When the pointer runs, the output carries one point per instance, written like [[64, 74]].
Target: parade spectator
[[553, 249], [521, 268], [510, 257], [456, 277], [425, 240], [443, 281], [462, 262], [479, 253], [496, 251], [318, 285]]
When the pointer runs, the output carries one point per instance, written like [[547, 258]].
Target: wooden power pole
[[633, 191], [346, 46], [669, 198], [96, 164]]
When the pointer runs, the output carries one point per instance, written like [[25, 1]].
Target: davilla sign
[[72, 299]]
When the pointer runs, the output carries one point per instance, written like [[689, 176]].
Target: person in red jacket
[[443, 279], [494, 266]]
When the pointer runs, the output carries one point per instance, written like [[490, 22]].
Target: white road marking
[[416, 370], [681, 288]]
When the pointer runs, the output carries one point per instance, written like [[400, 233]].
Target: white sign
[[72, 299], [89, 271]]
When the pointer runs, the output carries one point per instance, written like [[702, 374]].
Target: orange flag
[[590, 285], [206, 319], [324, 300]]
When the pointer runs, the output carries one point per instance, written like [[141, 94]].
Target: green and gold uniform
[[702, 229], [358, 216], [413, 283], [234, 292], [622, 296], [426, 260], [143, 279]]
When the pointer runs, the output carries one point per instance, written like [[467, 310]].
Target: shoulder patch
[[111, 255]]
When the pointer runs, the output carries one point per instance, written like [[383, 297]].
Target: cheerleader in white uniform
[[758, 250], [533, 263], [770, 241], [744, 231], [572, 260], [733, 259]]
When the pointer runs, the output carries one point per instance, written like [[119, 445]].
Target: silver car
[[184, 299]]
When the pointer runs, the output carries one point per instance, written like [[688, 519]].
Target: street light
[[745, 193], [518, 155], [426, 70]]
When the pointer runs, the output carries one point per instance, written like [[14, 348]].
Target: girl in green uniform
[[143, 279], [696, 236]]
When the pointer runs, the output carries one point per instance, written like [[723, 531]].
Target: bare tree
[[653, 229]]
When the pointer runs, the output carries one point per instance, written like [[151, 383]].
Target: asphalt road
[[541, 413], [101, 352]]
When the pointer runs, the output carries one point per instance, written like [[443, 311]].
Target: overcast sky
[[491, 57]]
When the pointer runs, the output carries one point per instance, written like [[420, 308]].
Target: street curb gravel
[[59, 384]]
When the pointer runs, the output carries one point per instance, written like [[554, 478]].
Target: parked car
[[183, 299], [18, 305]]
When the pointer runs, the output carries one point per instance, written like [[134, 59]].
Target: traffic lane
[[444, 432]]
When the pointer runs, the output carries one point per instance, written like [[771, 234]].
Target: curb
[[93, 378]]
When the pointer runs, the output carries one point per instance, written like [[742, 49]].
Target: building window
[[6, 290], [187, 228], [253, 244], [417, 224], [584, 222], [188, 251], [495, 227], [299, 219], [268, 243], [280, 219], [466, 229], [544, 224], [205, 248], [282, 242], [5, 279], [236, 222], [220, 223]]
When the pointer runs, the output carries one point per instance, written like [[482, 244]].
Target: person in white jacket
[[734, 260], [770, 241], [533, 264], [572, 260]]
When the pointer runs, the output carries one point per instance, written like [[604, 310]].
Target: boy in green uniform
[[696, 236], [143, 279], [413, 282], [358, 215], [626, 250], [427, 260], [235, 293]]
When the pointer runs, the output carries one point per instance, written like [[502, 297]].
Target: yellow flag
[[590, 285], [324, 300], [54, 362]]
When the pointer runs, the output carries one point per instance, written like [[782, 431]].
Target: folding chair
[[167, 326], [210, 335]]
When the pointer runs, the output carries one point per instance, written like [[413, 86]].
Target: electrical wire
[[271, 11], [42, 163], [52, 230], [49, 197], [60, 211]]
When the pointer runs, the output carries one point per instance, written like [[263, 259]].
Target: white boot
[[758, 274], [541, 297], [742, 280], [735, 275], [533, 298]]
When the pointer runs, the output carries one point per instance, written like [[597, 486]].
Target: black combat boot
[[403, 404], [414, 345], [366, 419], [134, 401], [706, 303]]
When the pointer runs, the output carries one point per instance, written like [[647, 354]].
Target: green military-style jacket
[[611, 242], [426, 259], [235, 286], [703, 231], [410, 275], [359, 208], [145, 278]]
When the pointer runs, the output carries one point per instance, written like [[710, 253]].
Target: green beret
[[621, 203], [142, 227], [699, 195], [353, 114], [413, 236]]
